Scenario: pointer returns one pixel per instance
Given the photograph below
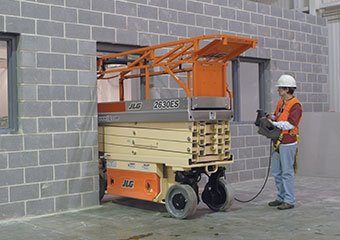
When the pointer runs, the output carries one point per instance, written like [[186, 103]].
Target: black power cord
[[264, 183]]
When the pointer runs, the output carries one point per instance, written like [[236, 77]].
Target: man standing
[[287, 117]]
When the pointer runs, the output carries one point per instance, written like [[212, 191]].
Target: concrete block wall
[[50, 164]]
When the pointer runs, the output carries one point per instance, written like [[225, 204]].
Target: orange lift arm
[[204, 64]]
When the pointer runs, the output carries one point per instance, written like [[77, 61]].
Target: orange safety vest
[[284, 113]]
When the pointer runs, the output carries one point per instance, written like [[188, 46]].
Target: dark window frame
[[263, 84], [12, 41]]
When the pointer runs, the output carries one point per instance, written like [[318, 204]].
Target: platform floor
[[316, 216]]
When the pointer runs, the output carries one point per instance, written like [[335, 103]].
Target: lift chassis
[[158, 149]]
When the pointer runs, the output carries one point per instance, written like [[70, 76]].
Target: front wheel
[[181, 201], [218, 195]]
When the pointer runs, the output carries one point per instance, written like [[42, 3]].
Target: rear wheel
[[181, 201], [218, 195]]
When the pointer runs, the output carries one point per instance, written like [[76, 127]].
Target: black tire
[[181, 201], [218, 195], [102, 187]]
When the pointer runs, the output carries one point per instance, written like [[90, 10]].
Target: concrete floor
[[316, 216]]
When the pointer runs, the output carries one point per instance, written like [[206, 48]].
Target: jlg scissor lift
[[157, 149]]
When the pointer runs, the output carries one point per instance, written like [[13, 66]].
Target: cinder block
[[244, 130], [232, 177], [77, 31], [65, 108], [270, 21], [34, 43], [51, 124], [23, 159], [220, 24], [39, 141], [249, 29], [38, 174], [283, 44], [238, 165], [177, 30], [88, 109], [3, 160], [24, 192], [250, 6], [245, 153], [237, 142], [212, 10], [91, 18], [11, 143], [9, 7], [195, 31], [178, 4], [260, 173], [127, 37], [235, 26], [12, 210], [67, 202], [67, 171], [50, 157], [50, 28], [81, 185], [64, 45], [20, 25], [145, 39], [27, 92], [137, 24], [158, 27], [53, 2], [103, 34], [87, 48], [253, 163], [195, 7], [3, 195], [293, 25], [78, 62], [88, 78], [79, 155], [159, 3], [86, 4], [64, 77], [228, 13], [263, 8], [89, 169], [252, 141], [147, 12], [276, 33], [115, 21], [66, 140], [54, 188], [40, 207], [34, 109], [64, 14], [11, 177], [33, 76], [236, 4], [103, 6], [51, 92], [186, 18], [49, 60], [80, 93], [28, 125], [256, 18], [34, 10], [259, 151], [88, 138], [90, 199], [168, 15], [242, 16], [220, 2], [203, 21], [26, 59], [246, 175], [126, 8]]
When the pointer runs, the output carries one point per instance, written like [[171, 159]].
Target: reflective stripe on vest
[[284, 113]]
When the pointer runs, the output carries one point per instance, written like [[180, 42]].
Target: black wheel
[[102, 187], [181, 201], [218, 195]]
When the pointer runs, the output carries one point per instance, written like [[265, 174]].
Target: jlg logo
[[135, 106], [128, 184]]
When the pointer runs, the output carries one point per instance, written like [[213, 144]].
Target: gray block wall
[[50, 164]]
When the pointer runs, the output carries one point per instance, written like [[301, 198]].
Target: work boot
[[285, 206], [275, 203]]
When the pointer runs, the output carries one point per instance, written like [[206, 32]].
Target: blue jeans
[[283, 172]]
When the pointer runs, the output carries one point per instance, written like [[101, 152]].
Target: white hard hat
[[286, 81]]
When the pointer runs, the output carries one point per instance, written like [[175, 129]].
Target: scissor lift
[[157, 149]]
